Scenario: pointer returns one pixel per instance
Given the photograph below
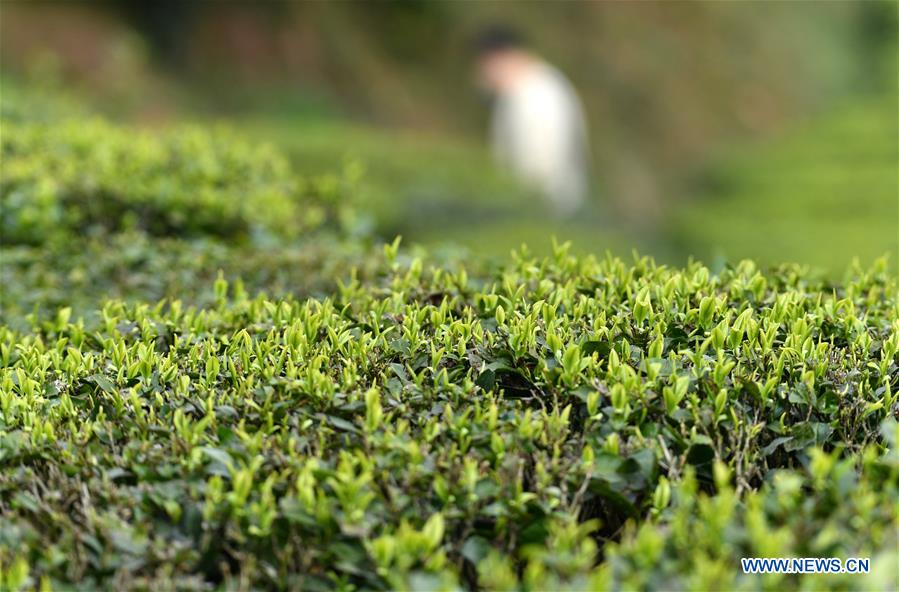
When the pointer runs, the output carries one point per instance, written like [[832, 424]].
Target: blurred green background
[[719, 130]]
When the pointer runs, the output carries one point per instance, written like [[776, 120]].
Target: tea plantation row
[[68, 177], [92, 210], [568, 423]]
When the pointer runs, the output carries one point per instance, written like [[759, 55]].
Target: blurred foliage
[[92, 210], [820, 193], [77, 176], [665, 85], [719, 131], [414, 184], [823, 194]]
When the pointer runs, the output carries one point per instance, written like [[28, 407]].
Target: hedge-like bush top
[[567, 422], [64, 178]]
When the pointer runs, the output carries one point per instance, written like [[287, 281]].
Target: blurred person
[[538, 129]]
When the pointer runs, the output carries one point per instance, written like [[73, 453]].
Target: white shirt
[[539, 132]]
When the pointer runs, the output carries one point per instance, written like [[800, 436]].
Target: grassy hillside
[[821, 195]]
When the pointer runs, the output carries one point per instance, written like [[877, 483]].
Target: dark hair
[[496, 37]]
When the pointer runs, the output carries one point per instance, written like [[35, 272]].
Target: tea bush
[[92, 210], [827, 508], [562, 423], [67, 177]]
